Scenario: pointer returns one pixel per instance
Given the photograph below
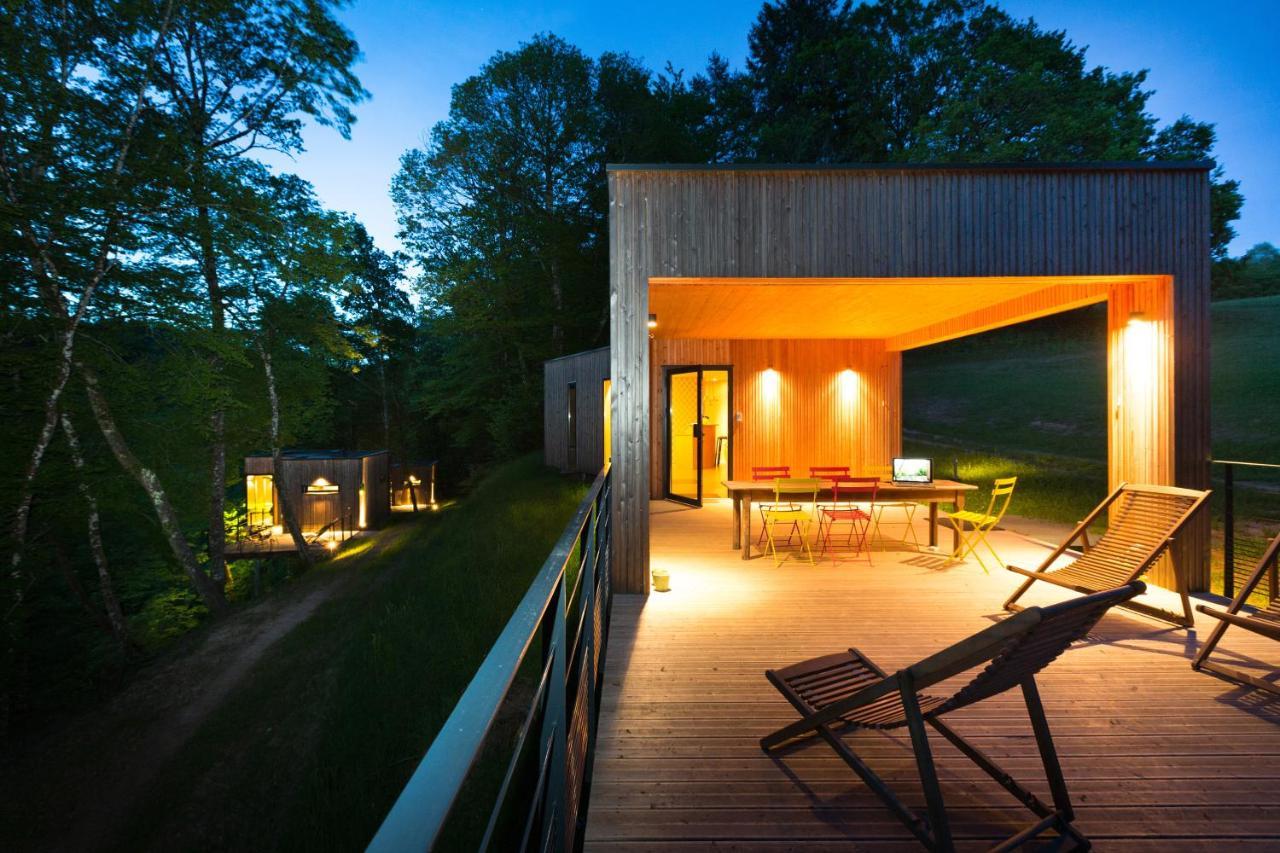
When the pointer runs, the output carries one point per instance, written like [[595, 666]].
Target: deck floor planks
[[1157, 757]]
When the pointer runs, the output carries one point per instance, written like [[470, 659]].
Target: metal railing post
[[1228, 531]]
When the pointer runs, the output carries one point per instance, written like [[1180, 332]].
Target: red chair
[[829, 472], [853, 503], [761, 473]]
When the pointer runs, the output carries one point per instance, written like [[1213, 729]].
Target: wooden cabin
[[413, 486], [337, 491], [760, 313], [577, 431]]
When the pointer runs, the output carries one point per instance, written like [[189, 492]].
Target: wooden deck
[[1157, 757]]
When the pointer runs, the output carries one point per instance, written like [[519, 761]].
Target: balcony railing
[[564, 620], [1250, 517]]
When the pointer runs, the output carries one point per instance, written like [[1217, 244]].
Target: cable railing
[[1250, 517], [562, 625]]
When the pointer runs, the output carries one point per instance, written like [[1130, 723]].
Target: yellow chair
[[981, 523], [790, 511]]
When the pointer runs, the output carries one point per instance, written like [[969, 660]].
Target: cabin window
[[608, 421], [260, 500], [573, 425], [321, 486]]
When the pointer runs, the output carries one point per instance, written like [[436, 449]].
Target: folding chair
[[884, 473], [848, 691], [1264, 622], [799, 518], [981, 523], [1143, 522], [828, 472], [848, 494], [763, 473]]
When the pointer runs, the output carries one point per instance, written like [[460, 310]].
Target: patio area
[[1156, 756]]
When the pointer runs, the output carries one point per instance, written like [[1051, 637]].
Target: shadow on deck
[[1156, 756]]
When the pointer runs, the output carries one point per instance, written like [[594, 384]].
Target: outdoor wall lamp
[[653, 321]]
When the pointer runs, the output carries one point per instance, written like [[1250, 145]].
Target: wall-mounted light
[[653, 321], [770, 384], [1137, 317], [847, 381]]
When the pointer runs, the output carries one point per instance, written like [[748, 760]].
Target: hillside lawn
[[311, 746], [1030, 400]]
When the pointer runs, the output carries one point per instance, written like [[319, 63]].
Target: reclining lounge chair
[[848, 691], [1143, 522], [1265, 622]]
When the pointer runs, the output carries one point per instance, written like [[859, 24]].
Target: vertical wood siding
[[588, 370], [909, 222]]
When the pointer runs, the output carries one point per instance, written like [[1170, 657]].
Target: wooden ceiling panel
[[899, 309]]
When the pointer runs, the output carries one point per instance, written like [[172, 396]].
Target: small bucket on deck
[[661, 580]]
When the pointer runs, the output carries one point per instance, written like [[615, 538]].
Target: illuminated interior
[[700, 430], [260, 500], [608, 420]]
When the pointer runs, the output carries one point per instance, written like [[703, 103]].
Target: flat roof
[[576, 354], [1101, 166]]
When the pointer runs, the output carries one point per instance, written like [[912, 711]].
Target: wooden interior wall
[[588, 370], [811, 412], [1145, 219]]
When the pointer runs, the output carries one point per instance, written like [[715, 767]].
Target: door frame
[[698, 369]]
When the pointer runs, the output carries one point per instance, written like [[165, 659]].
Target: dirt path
[[85, 778]]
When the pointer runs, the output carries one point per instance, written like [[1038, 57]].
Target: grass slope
[[312, 750], [1030, 400]]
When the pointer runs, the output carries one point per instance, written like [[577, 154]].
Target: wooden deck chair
[[1265, 622], [1143, 522], [848, 691]]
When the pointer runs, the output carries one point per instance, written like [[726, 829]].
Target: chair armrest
[[1028, 572], [1249, 623]]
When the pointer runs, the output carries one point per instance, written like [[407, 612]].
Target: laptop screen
[[906, 470]]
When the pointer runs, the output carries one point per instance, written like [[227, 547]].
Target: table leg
[[746, 526], [933, 524], [958, 502], [737, 523]]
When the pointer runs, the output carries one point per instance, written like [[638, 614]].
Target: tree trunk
[[115, 615], [209, 592], [386, 410], [218, 417], [277, 462]]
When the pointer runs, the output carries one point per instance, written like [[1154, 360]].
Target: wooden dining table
[[743, 492]]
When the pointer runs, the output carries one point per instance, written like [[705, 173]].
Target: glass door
[[684, 435], [699, 432]]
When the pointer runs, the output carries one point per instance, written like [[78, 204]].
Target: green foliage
[[941, 81], [362, 687], [1255, 273], [505, 213], [166, 616]]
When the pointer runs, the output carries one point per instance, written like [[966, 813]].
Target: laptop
[[909, 471]]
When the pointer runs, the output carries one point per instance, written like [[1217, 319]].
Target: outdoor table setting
[[744, 492]]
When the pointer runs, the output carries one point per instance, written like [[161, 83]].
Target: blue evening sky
[[1214, 61]]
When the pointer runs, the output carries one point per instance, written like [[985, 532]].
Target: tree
[[240, 76], [941, 81], [505, 214]]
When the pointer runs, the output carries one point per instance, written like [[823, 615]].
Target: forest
[[171, 302]]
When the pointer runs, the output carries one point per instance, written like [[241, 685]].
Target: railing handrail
[[1245, 464], [423, 806]]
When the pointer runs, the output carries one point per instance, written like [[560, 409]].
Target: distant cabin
[[577, 432], [339, 492], [413, 486]]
